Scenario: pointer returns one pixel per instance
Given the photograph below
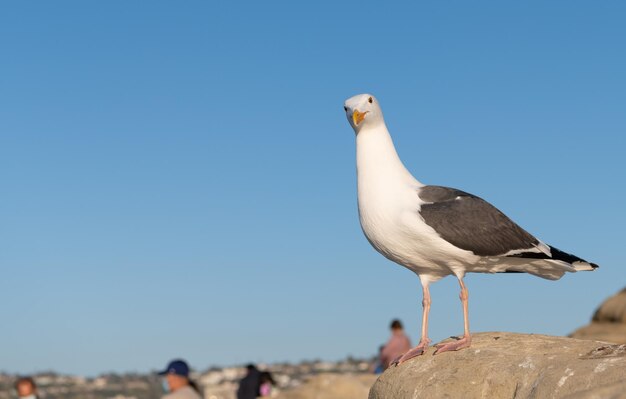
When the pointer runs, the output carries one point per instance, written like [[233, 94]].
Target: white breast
[[389, 211]]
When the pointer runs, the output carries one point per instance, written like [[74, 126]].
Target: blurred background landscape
[[350, 378], [178, 179]]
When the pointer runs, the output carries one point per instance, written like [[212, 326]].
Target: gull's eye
[[370, 100], [345, 108]]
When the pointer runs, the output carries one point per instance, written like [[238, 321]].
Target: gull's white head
[[363, 112]]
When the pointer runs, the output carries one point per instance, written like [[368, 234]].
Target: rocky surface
[[332, 386], [508, 365], [612, 391], [608, 322]]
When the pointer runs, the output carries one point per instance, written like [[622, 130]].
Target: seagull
[[437, 231]]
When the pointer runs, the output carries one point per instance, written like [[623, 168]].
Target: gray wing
[[471, 223]]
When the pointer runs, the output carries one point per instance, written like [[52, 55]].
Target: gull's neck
[[377, 161]]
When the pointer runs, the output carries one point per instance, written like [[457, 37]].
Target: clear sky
[[177, 179]]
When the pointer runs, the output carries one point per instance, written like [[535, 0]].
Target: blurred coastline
[[350, 377]]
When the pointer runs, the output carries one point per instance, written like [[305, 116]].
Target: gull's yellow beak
[[358, 117]]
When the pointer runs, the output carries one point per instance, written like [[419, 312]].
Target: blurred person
[[250, 384], [176, 381], [266, 382], [377, 367], [397, 345], [26, 388]]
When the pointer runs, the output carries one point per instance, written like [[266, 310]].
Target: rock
[[332, 386], [613, 391], [508, 365], [613, 310], [608, 323], [607, 332]]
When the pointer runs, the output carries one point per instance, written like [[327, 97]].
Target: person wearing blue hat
[[176, 382]]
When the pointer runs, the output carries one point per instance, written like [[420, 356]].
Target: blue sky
[[178, 179]]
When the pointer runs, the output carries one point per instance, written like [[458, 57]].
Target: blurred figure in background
[[266, 384], [397, 345], [249, 385], [26, 388], [377, 367], [176, 382]]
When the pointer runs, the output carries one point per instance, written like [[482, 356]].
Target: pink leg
[[424, 341], [466, 340]]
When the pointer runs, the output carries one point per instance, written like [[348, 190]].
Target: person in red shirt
[[397, 345]]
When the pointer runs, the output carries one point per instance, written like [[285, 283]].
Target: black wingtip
[[557, 254]]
